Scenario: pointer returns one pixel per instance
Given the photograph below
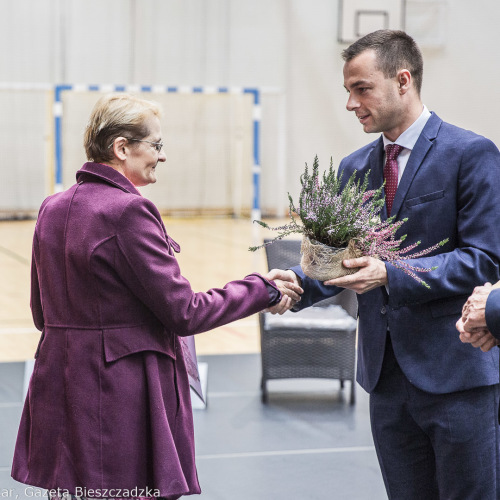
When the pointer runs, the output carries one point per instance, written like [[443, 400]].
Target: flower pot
[[321, 262]]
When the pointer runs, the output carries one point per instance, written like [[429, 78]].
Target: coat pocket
[[121, 342], [424, 198], [448, 307]]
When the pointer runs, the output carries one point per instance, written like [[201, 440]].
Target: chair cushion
[[332, 317]]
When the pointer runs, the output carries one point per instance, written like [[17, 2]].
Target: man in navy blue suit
[[433, 399]]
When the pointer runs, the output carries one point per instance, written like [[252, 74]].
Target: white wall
[[287, 44]]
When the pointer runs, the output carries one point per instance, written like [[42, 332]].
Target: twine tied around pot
[[321, 262]]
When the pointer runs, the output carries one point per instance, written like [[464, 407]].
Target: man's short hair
[[395, 50]]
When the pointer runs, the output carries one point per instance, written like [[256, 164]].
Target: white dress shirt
[[407, 140]]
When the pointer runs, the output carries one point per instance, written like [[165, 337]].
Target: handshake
[[372, 273], [289, 286], [472, 325]]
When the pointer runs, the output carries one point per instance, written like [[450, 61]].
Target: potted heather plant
[[338, 223]]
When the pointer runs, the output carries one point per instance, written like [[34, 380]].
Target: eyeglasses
[[156, 145]]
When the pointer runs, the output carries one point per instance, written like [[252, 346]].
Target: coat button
[[383, 310]]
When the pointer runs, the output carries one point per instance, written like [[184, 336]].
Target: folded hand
[[473, 311], [482, 337], [472, 325]]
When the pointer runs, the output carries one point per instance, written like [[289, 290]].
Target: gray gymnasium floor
[[307, 443]]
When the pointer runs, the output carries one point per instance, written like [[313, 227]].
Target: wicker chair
[[318, 342]]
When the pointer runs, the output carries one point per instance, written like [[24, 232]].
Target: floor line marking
[[18, 331], [234, 394], [326, 390], [15, 255], [352, 449]]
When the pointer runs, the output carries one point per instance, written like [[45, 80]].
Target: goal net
[[208, 144], [209, 139]]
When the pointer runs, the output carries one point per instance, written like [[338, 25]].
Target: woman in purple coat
[[108, 410]]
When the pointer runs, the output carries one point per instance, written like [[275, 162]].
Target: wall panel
[[287, 44]]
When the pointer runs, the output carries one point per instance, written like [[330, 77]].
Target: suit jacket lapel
[[417, 156]]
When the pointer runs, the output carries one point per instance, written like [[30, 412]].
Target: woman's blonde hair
[[116, 115]]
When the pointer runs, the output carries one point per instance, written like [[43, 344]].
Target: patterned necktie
[[391, 174]]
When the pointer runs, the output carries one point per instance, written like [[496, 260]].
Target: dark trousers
[[435, 446]]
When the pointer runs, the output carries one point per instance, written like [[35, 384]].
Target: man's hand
[[288, 284], [371, 275], [472, 325], [280, 274], [480, 338], [473, 312]]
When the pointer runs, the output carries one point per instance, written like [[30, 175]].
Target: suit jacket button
[[383, 310]]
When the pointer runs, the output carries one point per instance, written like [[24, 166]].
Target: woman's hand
[[287, 283]]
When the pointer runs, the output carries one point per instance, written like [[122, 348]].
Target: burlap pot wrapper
[[323, 263]]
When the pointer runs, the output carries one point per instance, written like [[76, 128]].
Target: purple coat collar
[[112, 176], [107, 174]]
